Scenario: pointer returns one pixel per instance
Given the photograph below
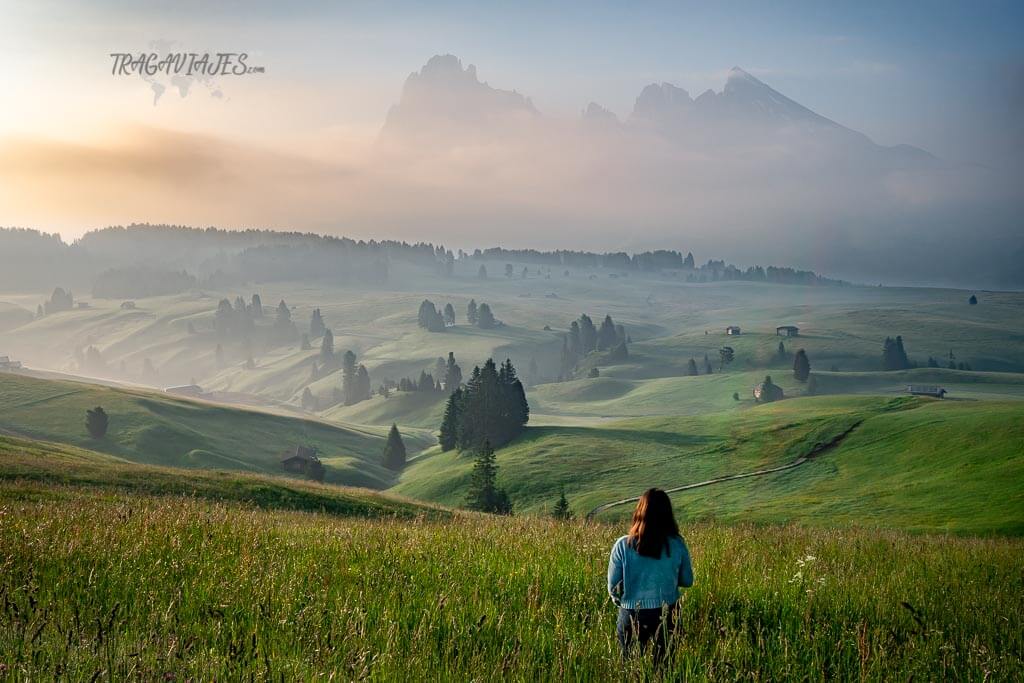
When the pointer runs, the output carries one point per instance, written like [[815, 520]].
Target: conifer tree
[[588, 334], [691, 368], [453, 374], [327, 349], [485, 319], [561, 509], [482, 273], [708, 368], [394, 450], [607, 335], [364, 389], [316, 324], [449, 437], [801, 366], [484, 494], [348, 378], [449, 314], [471, 312], [256, 307], [96, 422]]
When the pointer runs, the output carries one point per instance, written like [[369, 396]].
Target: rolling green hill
[[907, 463], [153, 428], [40, 470]]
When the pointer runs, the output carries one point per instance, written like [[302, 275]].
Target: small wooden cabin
[[732, 330], [303, 460], [790, 330], [926, 390]]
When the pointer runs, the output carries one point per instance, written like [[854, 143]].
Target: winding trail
[[813, 453]]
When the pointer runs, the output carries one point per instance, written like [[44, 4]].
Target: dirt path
[[814, 452]]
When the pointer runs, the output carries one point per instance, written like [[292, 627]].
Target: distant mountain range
[[445, 103], [745, 170]]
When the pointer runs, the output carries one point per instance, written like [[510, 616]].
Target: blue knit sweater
[[639, 582]]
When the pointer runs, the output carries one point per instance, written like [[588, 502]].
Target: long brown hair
[[653, 524]]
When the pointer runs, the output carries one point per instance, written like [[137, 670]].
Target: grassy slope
[[134, 587], [39, 470], [916, 464], [149, 427]]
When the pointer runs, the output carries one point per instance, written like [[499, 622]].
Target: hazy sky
[[948, 77]]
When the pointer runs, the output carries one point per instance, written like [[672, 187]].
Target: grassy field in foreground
[[909, 463], [152, 428], [134, 587], [37, 470]]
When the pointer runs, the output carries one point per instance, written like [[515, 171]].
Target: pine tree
[[394, 450], [256, 307], [561, 509], [691, 368], [588, 334], [575, 342], [308, 400], [364, 389], [452, 374], [901, 354], [482, 273], [509, 271], [284, 315], [471, 312], [449, 437], [327, 349], [708, 369], [316, 324], [782, 351], [607, 335], [725, 356], [801, 366], [449, 314], [485, 319], [484, 494], [348, 378], [96, 422]]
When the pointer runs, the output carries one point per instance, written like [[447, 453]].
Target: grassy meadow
[[174, 549], [138, 587], [154, 428]]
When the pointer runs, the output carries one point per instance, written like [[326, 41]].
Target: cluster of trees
[[481, 315], [715, 271], [951, 362], [491, 408], [238, 321], [137, 282], [59, 301], [432, 319], [584, 338], [355, 380], [894, 356], [648, 260], [691, 366]]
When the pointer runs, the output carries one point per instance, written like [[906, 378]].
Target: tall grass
[[112, 587]]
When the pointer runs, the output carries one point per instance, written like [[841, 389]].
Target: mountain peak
[[660, 99]]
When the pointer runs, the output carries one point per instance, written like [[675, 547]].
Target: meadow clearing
[[116, 586]]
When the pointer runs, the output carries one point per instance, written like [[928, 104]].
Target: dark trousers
[[640, 627]]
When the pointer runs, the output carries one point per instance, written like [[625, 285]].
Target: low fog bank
[[745, 174]]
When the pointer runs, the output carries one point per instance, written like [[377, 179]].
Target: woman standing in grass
[[645, 571]]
